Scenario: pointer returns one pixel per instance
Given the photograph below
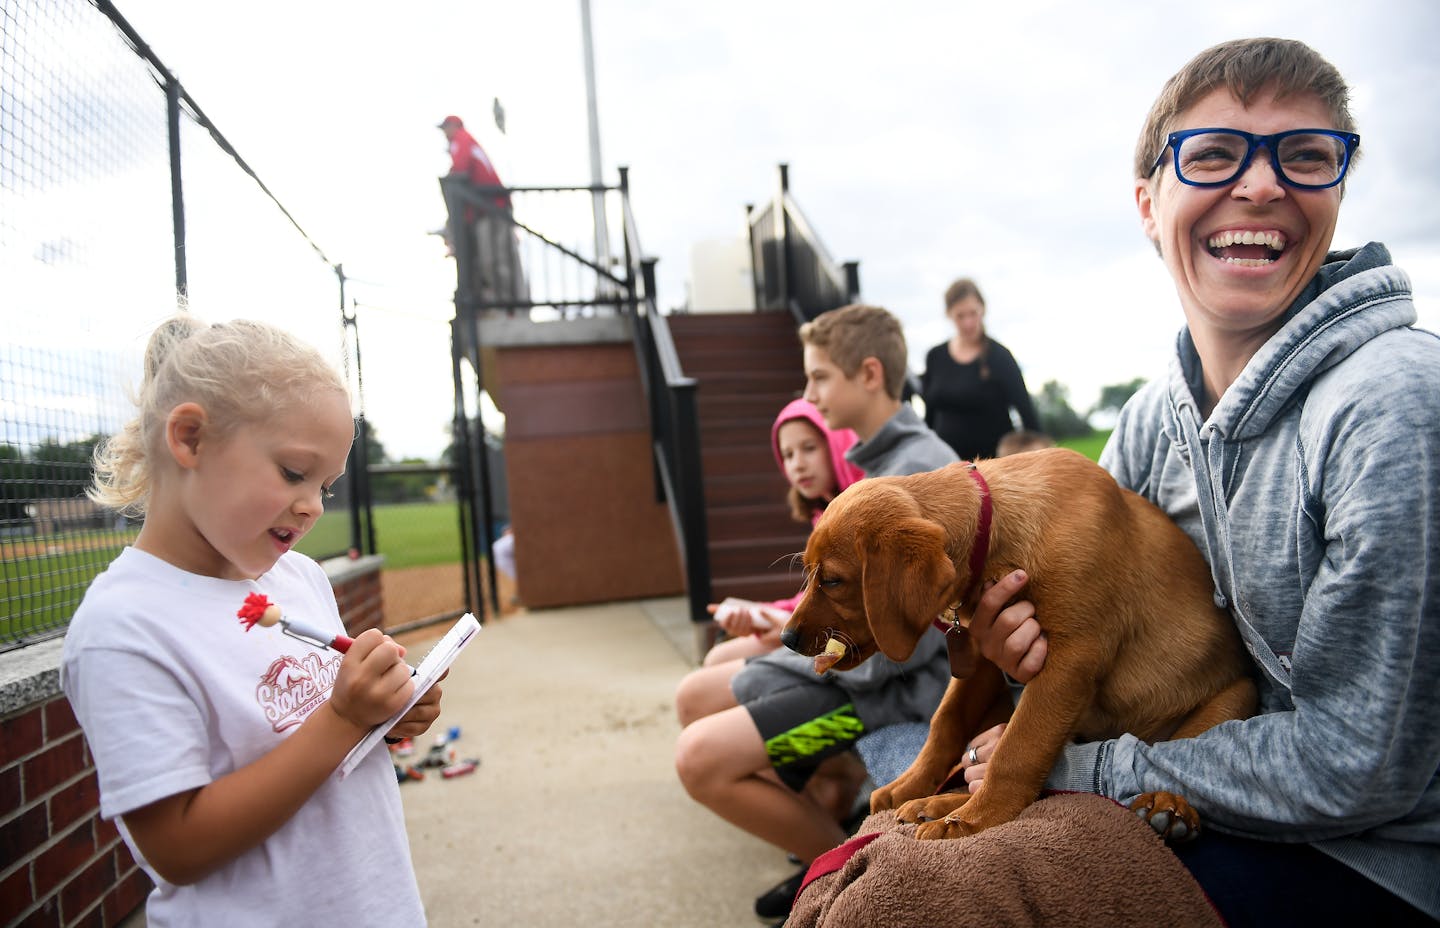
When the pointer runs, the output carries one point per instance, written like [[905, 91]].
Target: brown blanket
[[1070, 859]]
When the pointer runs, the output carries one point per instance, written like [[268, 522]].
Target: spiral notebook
[[436, 661]]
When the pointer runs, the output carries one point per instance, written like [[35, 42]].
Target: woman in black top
[[971, 382]]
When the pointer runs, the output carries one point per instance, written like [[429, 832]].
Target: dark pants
[[1264, 883]]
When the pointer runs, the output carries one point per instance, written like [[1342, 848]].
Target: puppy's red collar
[[979, 550]]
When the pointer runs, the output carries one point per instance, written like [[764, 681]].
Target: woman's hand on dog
[[983, 746], [1008, 632]]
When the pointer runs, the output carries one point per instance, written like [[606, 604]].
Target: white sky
[[927, 140]]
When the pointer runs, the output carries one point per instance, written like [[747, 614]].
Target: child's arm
[[187, 836]]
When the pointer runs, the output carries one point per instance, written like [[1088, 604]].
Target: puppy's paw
[[902, 790], [951, 826], [1170, 815], [882, 798], [930, 808]]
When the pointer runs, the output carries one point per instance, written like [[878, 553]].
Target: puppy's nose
[[790, 638]]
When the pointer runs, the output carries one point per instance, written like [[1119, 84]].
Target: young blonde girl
[[216, 748]]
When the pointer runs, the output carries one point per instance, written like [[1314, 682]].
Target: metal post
[[487, 507], [690, 497], [757, 262], [602, 236], [177, 194], [782, 233], [460, 465], [852, 281]]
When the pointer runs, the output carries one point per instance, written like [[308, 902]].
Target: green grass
[[408, 534], [42, 591], [1089, 445]]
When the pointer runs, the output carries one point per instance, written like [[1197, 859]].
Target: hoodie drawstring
[[1207, 463]]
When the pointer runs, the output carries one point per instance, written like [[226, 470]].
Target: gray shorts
[[802, 725]]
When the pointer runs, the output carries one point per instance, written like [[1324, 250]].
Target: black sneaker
[[777, 901]]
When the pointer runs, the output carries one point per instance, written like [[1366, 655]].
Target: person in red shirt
[[489, 224], [467, 158]]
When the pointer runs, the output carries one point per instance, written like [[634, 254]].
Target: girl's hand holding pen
[[421, 715], [374, 680]]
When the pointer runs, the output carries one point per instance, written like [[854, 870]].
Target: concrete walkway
[[575, 816]]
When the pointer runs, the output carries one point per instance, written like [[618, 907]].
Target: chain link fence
[[116, 193]]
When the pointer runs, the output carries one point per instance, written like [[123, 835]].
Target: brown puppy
[[1136, 643]]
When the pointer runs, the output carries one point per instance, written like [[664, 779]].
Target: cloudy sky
[[926, 140]]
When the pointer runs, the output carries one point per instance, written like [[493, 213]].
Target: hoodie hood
[[838, 440]]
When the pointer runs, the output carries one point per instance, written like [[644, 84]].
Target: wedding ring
[[974, 755]]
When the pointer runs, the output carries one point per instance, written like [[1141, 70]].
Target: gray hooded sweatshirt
[[1313, 489]]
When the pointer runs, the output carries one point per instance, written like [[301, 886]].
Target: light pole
[[602, 237]]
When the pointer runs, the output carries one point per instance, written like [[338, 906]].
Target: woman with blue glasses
[[1297, 440]]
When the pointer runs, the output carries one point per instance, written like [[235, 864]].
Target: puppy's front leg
[[965, 705], [1043, 723]]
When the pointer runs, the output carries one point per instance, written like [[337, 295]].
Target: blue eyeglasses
[[1311, 159]]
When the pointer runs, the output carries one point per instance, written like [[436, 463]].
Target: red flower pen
[[259, 610]]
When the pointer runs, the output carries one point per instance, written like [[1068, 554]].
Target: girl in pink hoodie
[[812, 458]]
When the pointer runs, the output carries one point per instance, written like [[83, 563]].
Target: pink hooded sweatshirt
[[838, 440]]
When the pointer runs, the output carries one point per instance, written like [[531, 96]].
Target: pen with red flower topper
[[259, 610]]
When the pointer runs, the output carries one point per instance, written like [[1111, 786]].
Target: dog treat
[[834, 651]]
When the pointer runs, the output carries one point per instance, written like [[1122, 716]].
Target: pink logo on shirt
[[292, 689]]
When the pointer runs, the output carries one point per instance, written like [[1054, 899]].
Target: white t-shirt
[[173, 693]]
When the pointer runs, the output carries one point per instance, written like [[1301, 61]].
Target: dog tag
[[959, 650]]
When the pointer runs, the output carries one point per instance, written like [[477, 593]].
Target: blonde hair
[[240, 372], [1245, 67], [853, 333]]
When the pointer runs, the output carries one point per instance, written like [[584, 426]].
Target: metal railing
[[792, 268], [674, 417]]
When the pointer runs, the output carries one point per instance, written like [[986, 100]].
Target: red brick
[[95, 918], [127, 896], [10, 790], [59, 762], [106, 833], [21, 735], [59, 719], [20, 836], [57, 863], [47, 916], [78, 800], [87, 888], [15, 894]]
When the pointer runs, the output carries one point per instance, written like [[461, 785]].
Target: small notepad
[[435, 663]]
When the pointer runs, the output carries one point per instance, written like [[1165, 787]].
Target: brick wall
[[60, 865], [357, 590], [63, 865]]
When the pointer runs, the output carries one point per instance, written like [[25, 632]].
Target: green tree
[[1116, 395], [1057, 418]]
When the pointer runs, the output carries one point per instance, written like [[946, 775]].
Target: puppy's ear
[[905, 579]]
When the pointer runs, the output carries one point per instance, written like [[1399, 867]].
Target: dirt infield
[[19, 549], [419, 592]]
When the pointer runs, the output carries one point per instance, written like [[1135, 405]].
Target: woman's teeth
[[1247, 248]]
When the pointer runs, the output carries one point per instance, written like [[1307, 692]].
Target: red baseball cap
[[451, 121]]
